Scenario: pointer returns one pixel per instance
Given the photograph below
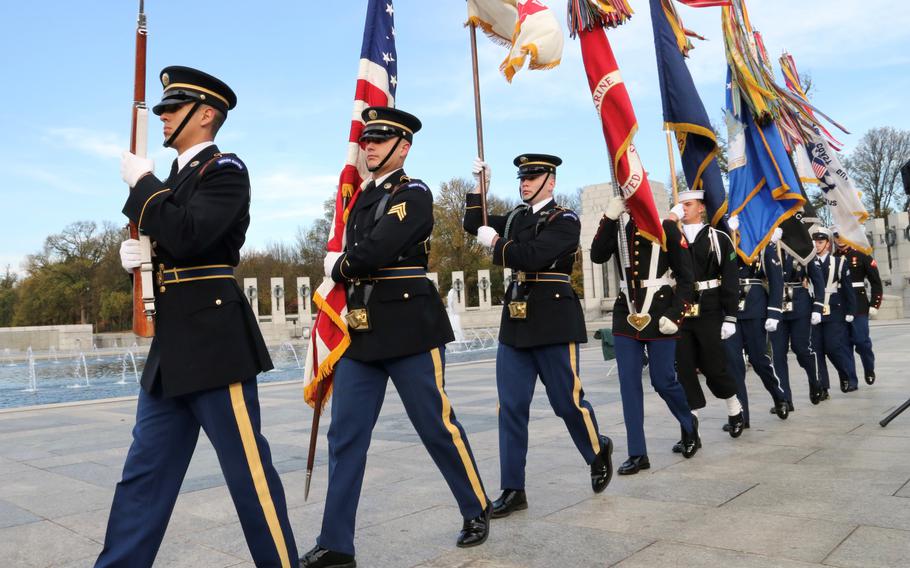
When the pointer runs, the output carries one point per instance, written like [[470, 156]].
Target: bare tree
[[875, 168]]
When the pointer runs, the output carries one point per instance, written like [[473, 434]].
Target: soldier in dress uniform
[[202, 365], [398, 328], [830, 334], [711, 317], [760, 295], [863, 267], [657, 289], [542, 324], [801, 284]]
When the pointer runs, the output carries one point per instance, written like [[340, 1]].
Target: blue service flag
[[685, 114], [764, 191]]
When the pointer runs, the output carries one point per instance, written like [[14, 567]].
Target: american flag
[[705, 3], [819, 168], [377, 79]]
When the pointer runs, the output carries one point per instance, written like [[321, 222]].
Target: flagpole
[[672, 167], [478, 120], [314, 435]]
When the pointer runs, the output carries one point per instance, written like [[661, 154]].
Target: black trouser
[[699, 348]]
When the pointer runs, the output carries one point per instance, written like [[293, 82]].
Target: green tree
[[8, 297], [875, 168]]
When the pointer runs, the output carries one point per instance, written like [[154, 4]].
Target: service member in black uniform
[[202, 365], [542, 324], [398, 329], [711, 317], [863, 267], [830, 334], [659, 284]]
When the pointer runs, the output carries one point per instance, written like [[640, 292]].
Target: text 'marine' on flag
[[611, 99], [684, 113], [527, 27], [377, 79]]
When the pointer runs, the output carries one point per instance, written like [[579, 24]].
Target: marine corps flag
[[527, 27], [619, 126]]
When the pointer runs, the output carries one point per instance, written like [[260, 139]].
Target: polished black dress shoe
[[736, 425], [824, 395], [844, 384], [789, 408], [633, 465], [510, 501], [475, 531], [851, 389], [602, 466], [319, 557], [726, 427], [870, 378], [781, 409], [815, 396], [690, 440]]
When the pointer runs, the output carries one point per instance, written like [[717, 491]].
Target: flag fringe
[[585, 15], [487, 29], [327, 366]]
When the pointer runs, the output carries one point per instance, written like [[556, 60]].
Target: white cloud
[[98, 143]]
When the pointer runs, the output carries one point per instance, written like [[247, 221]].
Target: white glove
[[486, 235], [849, 318], [771, 325], [873, 310], [132, 167], [130, 254], [727, 330], [329, 263], [816, 318], [777, 234], [677, 212], [481, 166], [666, 326], [615, 207]]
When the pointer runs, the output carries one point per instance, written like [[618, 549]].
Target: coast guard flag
[[377, 79], [684, 113], [527, 27], [764, 193], [611, 99]]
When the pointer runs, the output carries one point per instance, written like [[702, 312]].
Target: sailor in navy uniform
[[801, 285], [202, 365], [657, 288], [760, 296], [711, 317], [542, 324], [830, 334], [398, 328], [863, 267]]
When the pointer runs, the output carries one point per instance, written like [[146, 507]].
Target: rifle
[[143, 287]]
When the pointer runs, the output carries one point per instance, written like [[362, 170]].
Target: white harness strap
[[830, 288]]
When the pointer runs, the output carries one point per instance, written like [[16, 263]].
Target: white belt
[[750, 281], [859, 284], [707, 284], [831, 289], [651, 283]]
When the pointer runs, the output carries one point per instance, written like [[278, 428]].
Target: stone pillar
[[484, 289], [900, 252], [460, 291], [304, 293], [276, 288], [875, 230], [434, 278], [251, 292]]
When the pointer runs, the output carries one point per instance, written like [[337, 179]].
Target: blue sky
[[67, 86]]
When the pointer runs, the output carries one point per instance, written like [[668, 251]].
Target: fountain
[[454, 318], [32, 376], [7, 354], [288, 345], [53, 352], [123, 368], [80, 361]]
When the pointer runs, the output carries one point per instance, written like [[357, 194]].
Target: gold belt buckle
[[787, 307], [358, 319], [518, 310], [693, 311], [826, 310]]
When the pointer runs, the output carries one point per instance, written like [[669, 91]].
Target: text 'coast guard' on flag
[[377, 80]]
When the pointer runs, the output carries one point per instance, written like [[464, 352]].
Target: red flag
[[619, 126]]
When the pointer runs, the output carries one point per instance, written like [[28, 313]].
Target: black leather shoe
[[815, 396], [781, 409], [824, 395], [870, 378], [844, 384], [691, 440], [726, 427], [678, 447], [602, 466], [851, 389], [510, 501], [789, 408], [319, 557], [736, 424], [633, 465], [475, 531]]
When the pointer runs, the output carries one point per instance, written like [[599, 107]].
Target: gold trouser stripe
[[257, 472], [144, 205], [456, 434], [576, 398]]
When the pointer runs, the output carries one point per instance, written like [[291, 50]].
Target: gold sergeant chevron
[[400, 209]]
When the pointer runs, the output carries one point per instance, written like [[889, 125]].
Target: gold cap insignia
[[165, 79], [373, 115], [523, 159]]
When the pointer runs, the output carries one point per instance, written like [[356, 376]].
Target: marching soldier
[[712, 316], [863, 267], [542, 324], [830, 335], [202, 365], [398, 329], [759, 313], [656, 290], [794, 330]]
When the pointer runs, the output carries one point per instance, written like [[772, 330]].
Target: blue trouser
[[516, 375], [796, 334], [751, 336], [859, 337], [661, 359], [359, 390], [831, 338], [164, 438]]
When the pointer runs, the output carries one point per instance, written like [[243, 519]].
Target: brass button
[[406, 295], [154, 244], [162, 289], [636, 263], [635, 273], [218, 302], [556, 295]]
